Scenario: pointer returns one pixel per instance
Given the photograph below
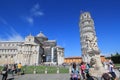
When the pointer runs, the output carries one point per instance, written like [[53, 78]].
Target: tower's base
[[98, 68], [97, 73]]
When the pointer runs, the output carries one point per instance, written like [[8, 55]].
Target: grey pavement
[[45, 76], [41, 77]]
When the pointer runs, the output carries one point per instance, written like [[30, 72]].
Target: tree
[[116, 58], [117, 54]]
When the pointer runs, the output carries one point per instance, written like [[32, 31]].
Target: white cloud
[[38, 13], [30, 20], [35, 7], [12, 36], [15, 37], [35, 12]]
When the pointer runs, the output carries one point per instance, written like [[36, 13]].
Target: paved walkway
[[45, 76], [41, 77]]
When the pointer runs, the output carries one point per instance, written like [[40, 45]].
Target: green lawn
[[41, 69], [117, 65], [1, 68]]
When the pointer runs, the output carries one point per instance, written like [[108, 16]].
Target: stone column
[[25, 59], [37, 57], [34, 58], [52, 54]]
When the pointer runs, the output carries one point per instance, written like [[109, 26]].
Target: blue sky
[[58, 19]]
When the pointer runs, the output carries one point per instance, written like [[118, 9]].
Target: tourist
[[9, 68], [87, 68], [5, 72], [110, 61], [111, 71], [82, 68], [74, 72], [15, 65], [87, 75], [105, 64], [19, 68], [13, 69]]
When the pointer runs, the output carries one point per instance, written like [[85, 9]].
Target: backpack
[[106, 76], [75, 73]]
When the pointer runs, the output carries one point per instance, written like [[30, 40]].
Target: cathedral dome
[[41, 35]]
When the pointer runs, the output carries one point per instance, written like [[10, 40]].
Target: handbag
[[74, 75], [4, 72]]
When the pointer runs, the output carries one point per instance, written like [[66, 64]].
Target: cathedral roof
[[59, 46], [50, 41], [41, 35]]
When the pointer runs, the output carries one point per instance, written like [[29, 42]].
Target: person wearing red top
[[82, 68]]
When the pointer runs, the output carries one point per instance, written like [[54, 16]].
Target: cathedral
[[34, 50]]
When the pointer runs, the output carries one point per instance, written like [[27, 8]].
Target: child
[[75, 72]]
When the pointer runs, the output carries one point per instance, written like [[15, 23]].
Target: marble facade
[[34, 50], [89, 47], [88, 37]]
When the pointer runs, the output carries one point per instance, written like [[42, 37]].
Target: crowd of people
[[82, 72], [110, 74], [11, 69]]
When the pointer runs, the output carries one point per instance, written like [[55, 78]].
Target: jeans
[[4, 77]]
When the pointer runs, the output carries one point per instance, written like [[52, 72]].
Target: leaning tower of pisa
[[88, 40], [87, 36]]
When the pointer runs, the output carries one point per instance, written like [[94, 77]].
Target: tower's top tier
[[85, 15]]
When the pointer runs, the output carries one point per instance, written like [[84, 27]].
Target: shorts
[[19, 70]]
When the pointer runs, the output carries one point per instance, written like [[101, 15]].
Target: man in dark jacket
[[5, 69]]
